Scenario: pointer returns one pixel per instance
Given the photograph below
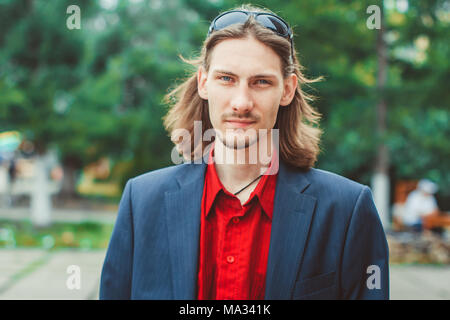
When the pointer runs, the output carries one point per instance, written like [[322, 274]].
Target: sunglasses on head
[[268, 20]]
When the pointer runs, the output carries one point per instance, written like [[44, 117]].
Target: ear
[[290, 86], [202, 76]]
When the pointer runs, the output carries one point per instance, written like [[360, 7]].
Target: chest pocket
[[318, 287]]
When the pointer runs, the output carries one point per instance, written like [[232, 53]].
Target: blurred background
[[81, 108]]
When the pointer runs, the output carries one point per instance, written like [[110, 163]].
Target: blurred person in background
[[419, 204], [12, 173]]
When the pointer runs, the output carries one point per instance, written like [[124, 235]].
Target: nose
[[242, 102]]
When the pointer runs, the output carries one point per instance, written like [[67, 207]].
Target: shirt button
[[236, 219], [230, 259]]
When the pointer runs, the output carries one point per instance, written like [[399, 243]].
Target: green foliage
[[85, 235], [98, 91]]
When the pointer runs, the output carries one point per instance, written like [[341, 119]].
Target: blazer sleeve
[[365, 259], [116, 275]]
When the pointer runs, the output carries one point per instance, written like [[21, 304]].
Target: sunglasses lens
[[267, 20], [274, 24], [229, 19]]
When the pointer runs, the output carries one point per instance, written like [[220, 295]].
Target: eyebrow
[[261, 75]]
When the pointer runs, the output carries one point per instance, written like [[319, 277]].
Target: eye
[[225, 78], [262, 82]]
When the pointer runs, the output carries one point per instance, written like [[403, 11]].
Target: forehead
[[245, 57]]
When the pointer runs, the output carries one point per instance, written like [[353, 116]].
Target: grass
[[84, 235]]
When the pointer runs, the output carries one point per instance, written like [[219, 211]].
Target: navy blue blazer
[[326, 241]]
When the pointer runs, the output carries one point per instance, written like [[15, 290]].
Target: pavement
[[36, 274], [420, 282], [31, 274]]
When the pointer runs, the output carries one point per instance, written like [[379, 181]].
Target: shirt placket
[[230, 258]]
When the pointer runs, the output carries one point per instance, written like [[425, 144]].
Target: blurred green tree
[[98, 91]]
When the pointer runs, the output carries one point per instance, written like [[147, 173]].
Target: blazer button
[[230, 259], [236, 219]]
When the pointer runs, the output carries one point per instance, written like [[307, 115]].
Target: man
[[262, 228], [419, 204]]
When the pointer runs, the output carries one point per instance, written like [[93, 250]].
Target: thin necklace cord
[[248, 185]]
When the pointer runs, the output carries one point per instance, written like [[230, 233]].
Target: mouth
[[239, 123]]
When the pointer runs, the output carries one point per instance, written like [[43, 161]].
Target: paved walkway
[[38, 274], [29, 274], [420, 282]]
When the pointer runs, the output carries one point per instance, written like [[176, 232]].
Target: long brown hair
[[299, 135]]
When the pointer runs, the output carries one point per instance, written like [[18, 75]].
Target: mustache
[[248, 117]]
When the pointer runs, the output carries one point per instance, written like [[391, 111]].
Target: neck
[[238, 167]]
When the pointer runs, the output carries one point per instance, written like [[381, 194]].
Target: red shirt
[[234, 238]]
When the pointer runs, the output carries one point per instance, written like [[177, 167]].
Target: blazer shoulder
[[159, 177], [344, 196], [329, 181]]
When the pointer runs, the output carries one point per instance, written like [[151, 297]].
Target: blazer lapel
[[183, 209], [291, 220]]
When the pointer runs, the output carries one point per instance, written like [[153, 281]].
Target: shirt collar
[[262, 191]]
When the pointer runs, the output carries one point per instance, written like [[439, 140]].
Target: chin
[[236, 142]]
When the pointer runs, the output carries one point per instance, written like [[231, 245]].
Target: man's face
[[244, 88]]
